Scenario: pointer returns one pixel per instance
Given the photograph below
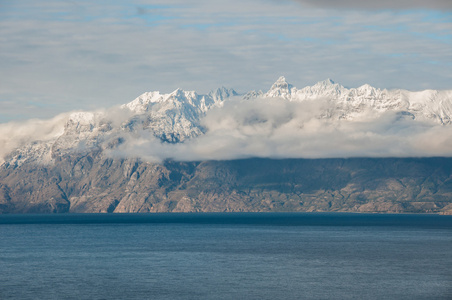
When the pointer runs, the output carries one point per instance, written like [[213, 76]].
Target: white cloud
[[277, 128], [17, 134], [59, 56], [272, 128]]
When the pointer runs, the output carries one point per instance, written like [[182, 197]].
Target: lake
[[226, 256]]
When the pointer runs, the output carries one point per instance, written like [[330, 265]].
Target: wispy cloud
[[84, 55]]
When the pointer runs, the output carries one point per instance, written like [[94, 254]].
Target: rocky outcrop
[[93, 183], [82, 161]]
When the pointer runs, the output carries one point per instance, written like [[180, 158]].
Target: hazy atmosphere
[[62, 56]]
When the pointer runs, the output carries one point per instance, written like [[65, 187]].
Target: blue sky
[[58, 56]]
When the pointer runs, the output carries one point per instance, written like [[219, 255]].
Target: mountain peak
[[223, 90], [281, 88], [222, 93], [281, 79], [326, 82], [177, 92], [366, 87], [327, 85]]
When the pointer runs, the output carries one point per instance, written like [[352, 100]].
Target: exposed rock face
[[82, 161], [93, 183]]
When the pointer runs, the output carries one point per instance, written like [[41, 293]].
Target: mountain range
[[225, 151]]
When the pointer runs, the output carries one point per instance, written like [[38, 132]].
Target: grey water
[[226, 256]]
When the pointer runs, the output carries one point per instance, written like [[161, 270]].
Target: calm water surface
[[226, 256]]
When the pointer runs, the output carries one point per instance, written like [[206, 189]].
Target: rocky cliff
[[186, 152], [91, 183]]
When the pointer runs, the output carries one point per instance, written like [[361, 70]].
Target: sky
[[59, 56]]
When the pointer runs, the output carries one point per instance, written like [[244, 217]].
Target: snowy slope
[[172, 118], [347, 103], [175, 117]]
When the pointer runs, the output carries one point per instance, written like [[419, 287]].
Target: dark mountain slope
[[93, 183]]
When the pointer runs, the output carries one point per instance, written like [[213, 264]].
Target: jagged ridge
[[69, 171], [175, 117]]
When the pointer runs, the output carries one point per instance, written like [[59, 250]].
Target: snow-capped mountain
[[187, 152], [348, 103], [172, 118], [176, 117]]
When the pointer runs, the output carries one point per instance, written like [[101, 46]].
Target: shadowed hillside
[[93, 183]]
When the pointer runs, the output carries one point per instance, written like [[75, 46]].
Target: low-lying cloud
[[269, 128], [277, 128], [18, 134]]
